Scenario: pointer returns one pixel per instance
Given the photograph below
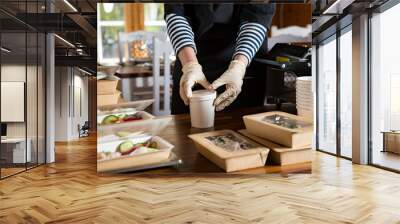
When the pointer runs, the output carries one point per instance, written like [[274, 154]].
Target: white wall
[[62, 81], [71, 94], [33, 127], [17, 73], [14, 73], [80, 112]]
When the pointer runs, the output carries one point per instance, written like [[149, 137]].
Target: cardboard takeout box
[[283, 155], [106, 86], [220, 148], [282, 128], [108, 99]]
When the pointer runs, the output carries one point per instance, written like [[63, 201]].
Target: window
[[154, 17], [327, 96], [111, 22], [385, 86], [346, 74]]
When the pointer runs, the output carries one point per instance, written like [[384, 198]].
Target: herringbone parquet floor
[[70, 191]]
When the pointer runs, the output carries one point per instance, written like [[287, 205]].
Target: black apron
[[215, 47]]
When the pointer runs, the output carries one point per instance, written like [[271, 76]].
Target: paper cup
[[202, 111]]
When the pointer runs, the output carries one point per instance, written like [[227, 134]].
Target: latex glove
[[192, 74], [233, 80]]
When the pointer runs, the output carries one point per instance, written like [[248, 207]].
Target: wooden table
[[15, 147], [127, 74], [193, 162], [134, 71]]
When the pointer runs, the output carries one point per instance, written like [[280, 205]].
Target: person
[[215, 45]]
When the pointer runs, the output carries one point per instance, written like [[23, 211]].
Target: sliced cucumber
[[110, 119], [126, 147]]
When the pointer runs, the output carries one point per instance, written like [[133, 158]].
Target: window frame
[[325, 34], [335, 36]]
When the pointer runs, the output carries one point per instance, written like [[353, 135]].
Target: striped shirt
[[180, 32], [249, 39], [250, 36]]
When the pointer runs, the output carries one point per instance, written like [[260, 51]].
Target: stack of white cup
[[304, 97]]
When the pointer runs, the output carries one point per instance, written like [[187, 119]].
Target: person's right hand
[[192, 74]]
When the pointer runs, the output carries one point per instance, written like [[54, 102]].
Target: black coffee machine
[[284, 63]]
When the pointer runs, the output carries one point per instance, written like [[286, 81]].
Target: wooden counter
[[193, 162]]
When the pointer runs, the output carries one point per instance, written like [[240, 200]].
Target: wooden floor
[[70, 191], [10, 171], [386, 159]]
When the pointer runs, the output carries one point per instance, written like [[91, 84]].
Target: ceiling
[[329, 16], [72, 20]]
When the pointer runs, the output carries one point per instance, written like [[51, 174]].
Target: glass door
[[32, 99], [14, 153], [22, 78], [334, 83], [326, 100], [41, 97]]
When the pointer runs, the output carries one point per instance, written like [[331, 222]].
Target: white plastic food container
[[124, 106], [133, 160], [143, 114], [148, 125], [202, 110], [152, 126]]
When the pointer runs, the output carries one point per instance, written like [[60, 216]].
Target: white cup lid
[[200, 95]]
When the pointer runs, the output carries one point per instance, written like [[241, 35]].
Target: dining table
[[192, 162]]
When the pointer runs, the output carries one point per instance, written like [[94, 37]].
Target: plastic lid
[[304, 78], [134, 105], [200, 95]]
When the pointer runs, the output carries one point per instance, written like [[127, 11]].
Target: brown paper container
[[108, 99], [105, 87], [280, 154], [230, 161], [293, 138]]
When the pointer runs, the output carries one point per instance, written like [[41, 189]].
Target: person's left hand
[[233, 81]]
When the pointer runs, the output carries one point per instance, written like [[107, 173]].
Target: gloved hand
[[233, 79], [192, 74]]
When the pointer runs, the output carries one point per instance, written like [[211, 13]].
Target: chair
[[84, 129], [162, 49], [159, 48]]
